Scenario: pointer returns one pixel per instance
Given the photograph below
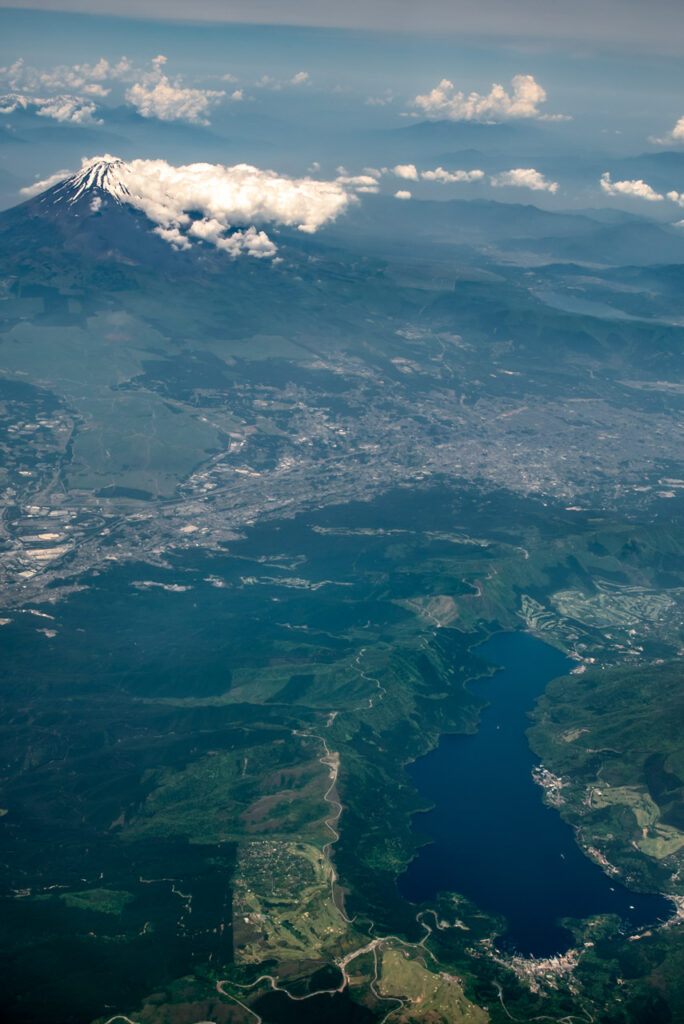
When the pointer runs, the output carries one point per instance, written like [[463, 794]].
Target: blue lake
[[491, 838]]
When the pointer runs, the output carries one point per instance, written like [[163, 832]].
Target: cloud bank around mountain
[[226, 207], [237, 195]]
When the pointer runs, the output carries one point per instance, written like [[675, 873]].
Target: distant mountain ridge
[[92, 212]]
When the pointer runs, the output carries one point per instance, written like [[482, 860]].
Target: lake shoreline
[[539, 864]]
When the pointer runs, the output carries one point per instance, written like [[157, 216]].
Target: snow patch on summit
[[105, 173]]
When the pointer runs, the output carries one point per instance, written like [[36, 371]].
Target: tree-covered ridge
[[614, 738]]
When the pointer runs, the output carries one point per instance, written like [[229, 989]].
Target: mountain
[[663, 171], [88, 214], [456, 224], [93, 212], [256, 516], [464, 134]]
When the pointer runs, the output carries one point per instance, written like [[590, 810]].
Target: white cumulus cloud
[[250, 241], [444, 101], [676, 197], [67, 109], [62, 108], [359, 182], [407, 171], [72, 89], [678, 131], [88, 78], [175, 237], [524, 177], [156, 96], [674, 137], [451, 177], [636, 187], [301, 78], [230, 196], [13, 101], [402, 194]]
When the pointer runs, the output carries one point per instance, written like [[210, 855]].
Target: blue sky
[[292, 96]]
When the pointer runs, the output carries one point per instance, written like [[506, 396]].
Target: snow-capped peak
[[101, 174], [204, 204]]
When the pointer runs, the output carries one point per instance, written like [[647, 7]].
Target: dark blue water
[[492, 838]]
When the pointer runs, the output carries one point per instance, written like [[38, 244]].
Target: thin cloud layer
[[381, 101], [268, 82], [636, 187], [445, 102], [524, 177]]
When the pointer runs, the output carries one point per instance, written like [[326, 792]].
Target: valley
[[258, 520]]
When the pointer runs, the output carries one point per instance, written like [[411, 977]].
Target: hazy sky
[[567, 104], [656, 23]]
